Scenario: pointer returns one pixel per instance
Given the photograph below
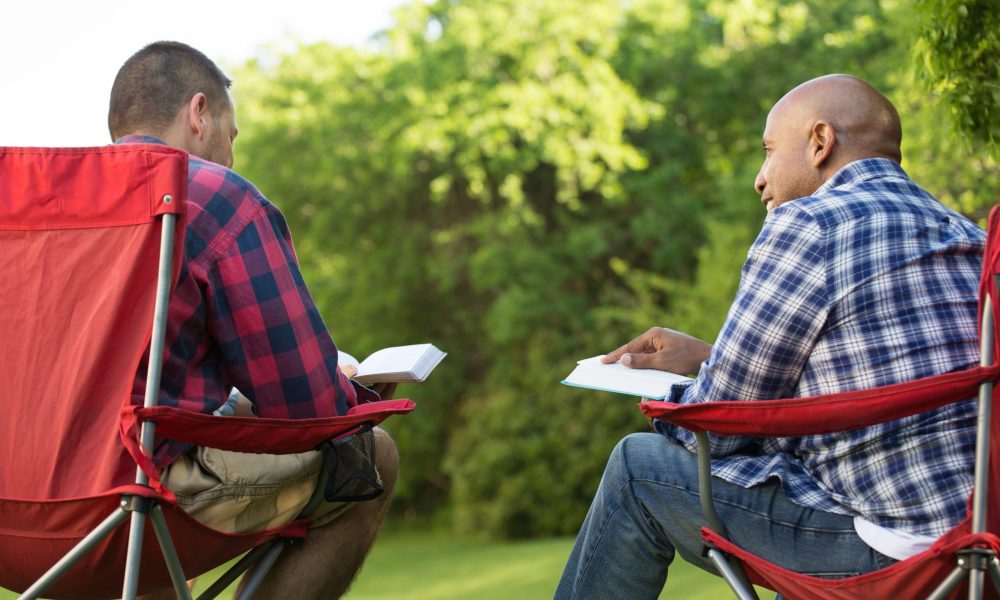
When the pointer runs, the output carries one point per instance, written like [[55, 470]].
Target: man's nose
[[759, 183]]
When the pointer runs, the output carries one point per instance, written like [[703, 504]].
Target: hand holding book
[[390, 366], [662, 349], [647, 366]]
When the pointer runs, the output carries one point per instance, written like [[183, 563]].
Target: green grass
[[434, 566]]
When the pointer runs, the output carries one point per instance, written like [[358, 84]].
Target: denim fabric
[[647, 509]]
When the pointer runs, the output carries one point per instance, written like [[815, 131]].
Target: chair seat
[[914, 577]]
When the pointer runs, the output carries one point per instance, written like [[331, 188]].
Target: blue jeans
[[647, 509]]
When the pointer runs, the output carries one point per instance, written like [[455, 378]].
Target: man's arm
[[274, 344], [773, 324]]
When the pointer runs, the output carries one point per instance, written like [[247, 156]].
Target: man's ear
[[822, 139], [196, 112]]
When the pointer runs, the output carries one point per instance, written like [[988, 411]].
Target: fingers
[[349, 371], [385, 390], [641, 344], [642, 360], [615, 355]]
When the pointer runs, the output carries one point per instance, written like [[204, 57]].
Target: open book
[[397, 364], [592, 374]]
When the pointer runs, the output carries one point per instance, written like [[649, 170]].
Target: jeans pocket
[[882, 561]]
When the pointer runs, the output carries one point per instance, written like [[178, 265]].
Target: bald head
[[866, 123], [819, 127]]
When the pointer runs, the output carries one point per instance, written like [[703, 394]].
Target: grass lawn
[[434, 566]]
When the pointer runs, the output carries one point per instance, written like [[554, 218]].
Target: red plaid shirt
[[241, 315]]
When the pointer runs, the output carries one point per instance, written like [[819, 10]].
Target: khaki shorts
[[237, 492]]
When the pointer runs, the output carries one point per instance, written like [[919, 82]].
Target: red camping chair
[[90, 240], [960, 559]]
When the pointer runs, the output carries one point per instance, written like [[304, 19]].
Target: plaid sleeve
[[774, 322], [274, 344]]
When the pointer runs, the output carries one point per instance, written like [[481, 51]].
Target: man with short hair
[[859, 278], [241, 316]]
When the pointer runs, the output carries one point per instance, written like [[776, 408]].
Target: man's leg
[[325, 564], [647, 509]]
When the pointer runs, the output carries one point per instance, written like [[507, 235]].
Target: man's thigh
[[760, 519], [238, 492]]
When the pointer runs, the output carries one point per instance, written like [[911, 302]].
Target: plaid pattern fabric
[[241, 315], [869, 282]]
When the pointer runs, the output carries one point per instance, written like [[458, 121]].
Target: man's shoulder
[[868, 189], [221, 204], [207, 179]]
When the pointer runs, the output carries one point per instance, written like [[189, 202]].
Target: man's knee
[[386, 459], [636, 447], [651, 456]]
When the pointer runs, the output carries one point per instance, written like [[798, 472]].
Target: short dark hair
[[156, 81]]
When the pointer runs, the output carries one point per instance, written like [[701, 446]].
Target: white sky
[[58, 59]]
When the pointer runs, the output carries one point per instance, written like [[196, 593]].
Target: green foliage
[[959, 42], [527, 183]]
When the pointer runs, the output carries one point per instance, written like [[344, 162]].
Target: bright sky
[[58, 59]]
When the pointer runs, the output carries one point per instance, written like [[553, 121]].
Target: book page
[[399, 364], [591, 373], [401, 359]]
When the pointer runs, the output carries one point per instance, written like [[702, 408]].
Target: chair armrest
[[261, 435], [827, 413]]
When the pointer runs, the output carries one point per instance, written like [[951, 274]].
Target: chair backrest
[[79, 246], [989, 288]]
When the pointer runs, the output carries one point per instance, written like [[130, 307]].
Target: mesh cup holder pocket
[[350, 468]]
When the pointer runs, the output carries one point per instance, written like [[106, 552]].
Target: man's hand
[[662, 349], [384, 390]]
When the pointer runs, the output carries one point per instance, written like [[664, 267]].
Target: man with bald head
[[859, 278]]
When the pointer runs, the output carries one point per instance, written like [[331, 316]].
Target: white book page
[[401, 359], [399, 364], [591, 373]]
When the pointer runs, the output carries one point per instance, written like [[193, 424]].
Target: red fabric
[[247, 434], [91, 185], [915, 577], [823, 414], [918, 575], [80, 247], [77, 308], [988, 287]]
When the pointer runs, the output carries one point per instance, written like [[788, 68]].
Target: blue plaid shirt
[[868, 282]]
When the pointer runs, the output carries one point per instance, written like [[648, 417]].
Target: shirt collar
[[139, 139], [863, 170]]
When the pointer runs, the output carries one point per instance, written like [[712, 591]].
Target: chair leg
[[169, 553], [976, 581], [739, 586], [949, 583], [256, 577], [137, 527], [994, 568], [242, 565], [70, 558]]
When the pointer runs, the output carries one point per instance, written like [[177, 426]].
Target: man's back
[[241, 315], [868, 282]]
